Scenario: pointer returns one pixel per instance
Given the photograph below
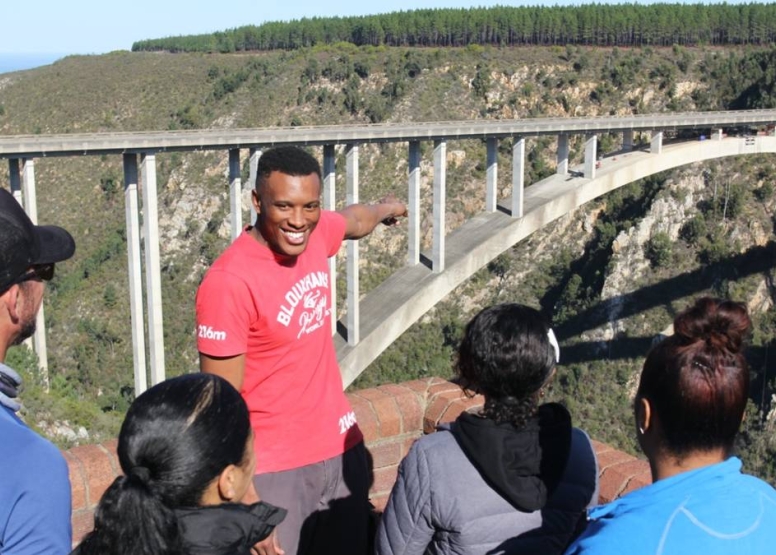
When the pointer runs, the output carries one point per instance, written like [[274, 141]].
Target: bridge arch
[[402, 299]]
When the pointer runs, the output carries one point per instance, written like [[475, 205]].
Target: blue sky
[[99, 26]]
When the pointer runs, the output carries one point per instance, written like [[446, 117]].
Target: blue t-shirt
[[712, 510], [34, 492]]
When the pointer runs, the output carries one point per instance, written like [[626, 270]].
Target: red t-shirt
[[279, 317]]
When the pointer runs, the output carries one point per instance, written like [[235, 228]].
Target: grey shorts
[[327, 504]]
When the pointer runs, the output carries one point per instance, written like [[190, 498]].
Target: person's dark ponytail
[[176, 439], [131, 519]]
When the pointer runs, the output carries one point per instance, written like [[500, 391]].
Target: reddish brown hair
[[697, 380]]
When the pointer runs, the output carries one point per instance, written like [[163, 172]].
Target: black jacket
[[228, 529]]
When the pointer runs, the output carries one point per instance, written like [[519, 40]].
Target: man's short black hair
[[290, 160]]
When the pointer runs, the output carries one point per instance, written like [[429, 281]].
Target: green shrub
[[658, 250], [694, 229], [764, 192]]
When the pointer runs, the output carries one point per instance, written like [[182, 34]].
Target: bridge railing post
[[253, 166], [518, 176], [440, 178], [153, 272], [491, 180], [656, 143], [329, 203], [563, 154], [591, 155], [413, 204], [31, 207], [235, 192], [353, 319], [135, 273]]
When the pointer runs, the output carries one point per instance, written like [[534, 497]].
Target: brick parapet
[[391, 418]]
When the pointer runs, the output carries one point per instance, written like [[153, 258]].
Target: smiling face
[[288, 208]]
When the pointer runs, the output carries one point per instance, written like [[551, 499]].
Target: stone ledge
[[391, 418]]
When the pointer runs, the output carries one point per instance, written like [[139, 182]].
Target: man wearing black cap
[[34, 483]]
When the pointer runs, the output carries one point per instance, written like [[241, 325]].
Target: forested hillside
[[655, 24], [612, 275]]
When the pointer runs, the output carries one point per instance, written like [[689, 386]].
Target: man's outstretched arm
[[363, 218]]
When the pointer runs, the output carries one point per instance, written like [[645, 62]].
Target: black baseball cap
[[24, 244]]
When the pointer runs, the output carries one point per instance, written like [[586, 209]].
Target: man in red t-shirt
[[263, 323]]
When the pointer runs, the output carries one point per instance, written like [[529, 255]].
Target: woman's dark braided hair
[[176, 439], [507, 356]]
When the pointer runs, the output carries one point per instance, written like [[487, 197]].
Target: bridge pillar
[[329, 203], [353, 318], [491, 186], [153, 275], [717, 135], [413, 204], [31, 207], [627, 140], [656, 144], [591, 154], [253, 165], [235, 192], [518, 176], [135, 269], [440, 178], [563, 154]]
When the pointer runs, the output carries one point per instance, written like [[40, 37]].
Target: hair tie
[[141, 473], [554, 343]]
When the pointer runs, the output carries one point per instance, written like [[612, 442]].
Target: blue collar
[[658, 491]]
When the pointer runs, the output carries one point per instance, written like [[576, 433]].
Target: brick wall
[[391, 417]]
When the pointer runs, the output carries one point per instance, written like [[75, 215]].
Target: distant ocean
[[17, 62]]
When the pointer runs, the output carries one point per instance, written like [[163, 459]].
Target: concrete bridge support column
[[413, 205], [440, 185], [153, 274], [518, 176], [627, 140], [717, 135], [329, 203], [253, 165], [591, 155], [135, 273], [491, 185], [31, 207], [563, 154], [235, 192], [353, 319], [656, 144]]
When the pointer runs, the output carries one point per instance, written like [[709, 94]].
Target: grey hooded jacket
[[477, 487]]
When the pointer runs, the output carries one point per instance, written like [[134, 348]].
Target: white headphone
[[555, 346]]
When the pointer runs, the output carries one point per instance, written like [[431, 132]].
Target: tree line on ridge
[[587, 25]]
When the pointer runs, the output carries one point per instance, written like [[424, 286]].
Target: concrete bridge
[[428, 277]]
